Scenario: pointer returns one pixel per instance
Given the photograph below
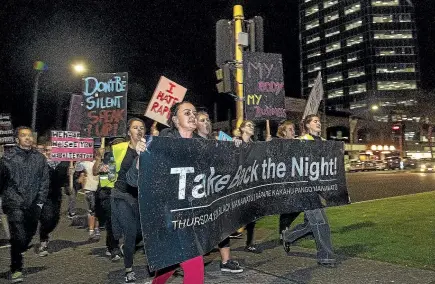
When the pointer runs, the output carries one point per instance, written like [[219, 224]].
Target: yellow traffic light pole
[[238, 23]]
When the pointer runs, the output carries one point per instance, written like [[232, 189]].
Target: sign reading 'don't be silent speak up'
[[69, 146], [105, 105], [166, 94], [263, 85]]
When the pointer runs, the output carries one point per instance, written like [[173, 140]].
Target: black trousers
[[250, 233], [103, 210], [22, 225], [49, 218], [285, 220]]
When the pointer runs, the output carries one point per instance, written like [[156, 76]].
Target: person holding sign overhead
[[315, 221], [125, 207], [183, 124]]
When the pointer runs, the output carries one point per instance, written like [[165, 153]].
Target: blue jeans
[[316, 224], [126, 223]]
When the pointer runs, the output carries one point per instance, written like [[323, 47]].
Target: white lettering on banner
[[213, 183]]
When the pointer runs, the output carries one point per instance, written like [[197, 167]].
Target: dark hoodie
[[24, 179]]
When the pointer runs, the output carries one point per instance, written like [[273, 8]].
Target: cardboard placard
[[6, 129], [69, 146]]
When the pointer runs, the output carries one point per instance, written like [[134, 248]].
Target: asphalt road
[[364, 186]]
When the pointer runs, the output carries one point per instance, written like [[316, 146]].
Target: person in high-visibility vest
[[125, 206], [315, 221]]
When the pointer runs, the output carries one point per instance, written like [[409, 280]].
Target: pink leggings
[[193, 272]]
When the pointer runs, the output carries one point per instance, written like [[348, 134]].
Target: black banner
[[193, 193], [263, 83], [104, 105], [6, 129]]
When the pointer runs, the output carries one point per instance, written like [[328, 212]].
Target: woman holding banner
[[315, 221], [125, 207], [246, 131], [227, 264], [183, 125]]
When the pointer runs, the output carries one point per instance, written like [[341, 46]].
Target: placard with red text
[[166, 94]]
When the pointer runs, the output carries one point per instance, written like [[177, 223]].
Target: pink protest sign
[[68, 146], [166, 94]]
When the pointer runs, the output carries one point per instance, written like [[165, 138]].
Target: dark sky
[[147, 39]]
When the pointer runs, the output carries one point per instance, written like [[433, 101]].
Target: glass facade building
[[365, 49]]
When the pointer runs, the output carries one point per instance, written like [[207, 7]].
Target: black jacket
[[24, 179], [58, 179]]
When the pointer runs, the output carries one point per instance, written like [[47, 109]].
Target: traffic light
[[396, 127], [226, 78]]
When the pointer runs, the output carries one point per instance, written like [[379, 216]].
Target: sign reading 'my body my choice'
[[263, 85], [105, 105], [193, 193]]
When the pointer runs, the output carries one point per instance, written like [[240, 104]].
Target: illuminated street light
[[375, 107], [79, 68]]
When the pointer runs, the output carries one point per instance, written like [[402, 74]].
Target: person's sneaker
[[231, 266], [252, 248], [115, 258], [330, 263], [43, 249], [93, 237], [17, 277], [98, 232], [130, 277], [108, 253]]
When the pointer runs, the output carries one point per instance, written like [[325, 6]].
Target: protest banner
[[69, 146], [75, 113], [315, 97], [104, 105], [166, 94], [263, 86], [6, 129], [193, 193]]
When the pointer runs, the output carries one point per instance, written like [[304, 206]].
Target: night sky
[[147, 39]]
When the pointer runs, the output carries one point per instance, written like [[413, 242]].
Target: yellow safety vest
[[308, 137], [119, 150]]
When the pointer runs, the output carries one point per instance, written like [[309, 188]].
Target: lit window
[[333, 46], [313, 38], [331, 17], [335, 93], [356, 89], [352, 57], [352, 8], [329, 3], [314, 53], [385, 51], [397, 85], [334, 78], [357, 105], [311, 10], [314, 67], [354, 24], [396, 68], [333, 62], [332, 31], [385, 2], [392, 34], [383, 19], [405, 18], [312, 24], [356, 72], [354, 40], [380, 118]]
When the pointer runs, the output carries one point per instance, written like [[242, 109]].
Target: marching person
[[286, 130], [227, 264], [24, 187], [50, 214], [125, 206], [315, 221], [183, 124], [246, 130]]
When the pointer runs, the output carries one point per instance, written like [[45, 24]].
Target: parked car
[[381, 165], [409, 163], [369, 166], [427, 166], [393, 163], [356, 166]]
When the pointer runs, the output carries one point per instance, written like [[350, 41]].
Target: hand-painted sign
[[105, 105], [68, 146], [203, 190], [224, 137], [166, 94], [316, 96], [6, 129], [263, 86]]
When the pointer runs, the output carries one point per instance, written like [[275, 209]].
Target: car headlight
[[423, 167]]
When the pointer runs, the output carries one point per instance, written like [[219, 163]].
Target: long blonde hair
[[281, 128]]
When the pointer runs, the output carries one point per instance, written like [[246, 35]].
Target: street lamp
[[375, 107], [79, 68]]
